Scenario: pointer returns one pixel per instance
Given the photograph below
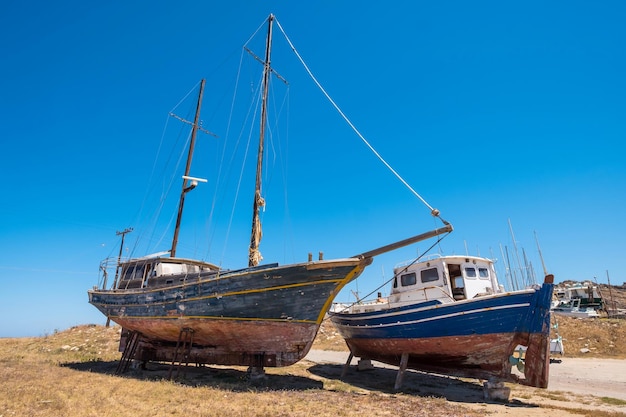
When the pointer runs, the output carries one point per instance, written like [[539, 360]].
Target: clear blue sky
[[490, 110]]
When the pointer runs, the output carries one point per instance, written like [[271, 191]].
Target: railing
[[426, 297], [339, 307], [422, 259], [106, 266]]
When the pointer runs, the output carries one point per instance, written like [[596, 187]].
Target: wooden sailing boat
[[258, 316]]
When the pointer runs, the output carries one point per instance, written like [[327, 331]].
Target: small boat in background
[[572, 308], [587, 294], [449, 315], [581, 300]]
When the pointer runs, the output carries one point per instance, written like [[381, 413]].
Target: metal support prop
[[183, 349], [129, 352]]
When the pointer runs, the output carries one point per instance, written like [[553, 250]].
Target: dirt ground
[[589, 383], [576, 384], [590, 378]]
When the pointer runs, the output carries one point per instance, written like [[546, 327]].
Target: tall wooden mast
[[254, 256], [188, 184]]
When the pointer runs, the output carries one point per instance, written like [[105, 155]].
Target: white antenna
[[194, 179]]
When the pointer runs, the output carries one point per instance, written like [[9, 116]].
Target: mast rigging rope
[[433, 211]]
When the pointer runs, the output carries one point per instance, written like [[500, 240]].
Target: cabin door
[[457, 283]]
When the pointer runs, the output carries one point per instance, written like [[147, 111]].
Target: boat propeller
[[517, 359]]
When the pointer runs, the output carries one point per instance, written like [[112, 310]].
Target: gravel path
[[598, 377]]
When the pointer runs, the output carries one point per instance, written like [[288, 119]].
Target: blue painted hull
[[472, 338]]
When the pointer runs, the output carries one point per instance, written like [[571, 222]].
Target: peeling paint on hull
[[474, 338], [226, 342], [264, 314], [467, 356]]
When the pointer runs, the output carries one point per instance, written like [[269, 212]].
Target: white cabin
[[447, 279]]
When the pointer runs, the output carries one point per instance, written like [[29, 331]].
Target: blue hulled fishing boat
[[449, 315]]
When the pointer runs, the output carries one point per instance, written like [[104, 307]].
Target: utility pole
[[119, 256], [119, 260]]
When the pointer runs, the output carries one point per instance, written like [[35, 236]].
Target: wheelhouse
[[155, 272], [447, 279]]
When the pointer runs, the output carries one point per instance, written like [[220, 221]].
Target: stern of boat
[[537, 358]]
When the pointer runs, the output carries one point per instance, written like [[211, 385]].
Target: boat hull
[[472, 338], [225, 342], [262, 316]]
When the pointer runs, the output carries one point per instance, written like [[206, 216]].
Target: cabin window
[[134, 272], [470, 273], [408, 279], [146, 275], [429, 275], [483, 273], [395, 282], [459, 283]]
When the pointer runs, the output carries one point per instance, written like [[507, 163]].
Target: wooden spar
[[186, 188], [254, 256], [402, 243]]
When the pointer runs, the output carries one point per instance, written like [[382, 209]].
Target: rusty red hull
[[484, 356], [226, 342]]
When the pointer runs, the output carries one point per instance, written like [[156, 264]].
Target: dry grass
[[604, 338], [71, 373], [328, 338]]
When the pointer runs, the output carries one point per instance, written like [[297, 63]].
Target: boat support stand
[[404, 361], [256, 369], [344, 371], [182, 352], [129, 352], [365, 364]]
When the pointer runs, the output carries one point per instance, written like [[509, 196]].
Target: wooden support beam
[[404, 361], [346, 366]]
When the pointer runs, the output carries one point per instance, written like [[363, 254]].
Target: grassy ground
[[72, 373], [582, 338]]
